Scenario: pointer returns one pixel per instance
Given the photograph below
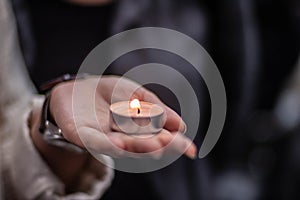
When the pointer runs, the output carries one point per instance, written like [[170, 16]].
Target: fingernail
[[182, 127], [192, 152], [191, 156]]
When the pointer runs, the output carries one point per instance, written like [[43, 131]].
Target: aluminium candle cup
[[124, 119]]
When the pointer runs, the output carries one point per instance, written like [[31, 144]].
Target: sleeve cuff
[[32, 178]]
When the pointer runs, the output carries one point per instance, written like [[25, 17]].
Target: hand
[[88, 126]]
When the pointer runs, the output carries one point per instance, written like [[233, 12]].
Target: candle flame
[[135, 104]]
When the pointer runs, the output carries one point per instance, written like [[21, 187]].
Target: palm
[[83, 115]]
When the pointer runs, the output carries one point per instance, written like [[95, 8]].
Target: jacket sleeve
[[26, 175]]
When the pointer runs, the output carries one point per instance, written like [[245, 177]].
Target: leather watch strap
[[52, 134]]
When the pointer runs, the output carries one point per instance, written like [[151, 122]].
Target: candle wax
[[146, 110]]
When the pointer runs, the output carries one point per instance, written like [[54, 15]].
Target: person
[[246, 40], [85, 40], [34, 169]]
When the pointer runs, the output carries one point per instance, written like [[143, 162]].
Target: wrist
[[65, 164], [52, 133]]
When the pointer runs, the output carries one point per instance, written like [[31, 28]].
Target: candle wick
[[139, 111]]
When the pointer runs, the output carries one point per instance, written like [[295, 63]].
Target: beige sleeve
[[26, 176]]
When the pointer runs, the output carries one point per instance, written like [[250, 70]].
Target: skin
[[74, 113]]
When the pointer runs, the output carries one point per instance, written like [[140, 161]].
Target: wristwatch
[[51, 133]]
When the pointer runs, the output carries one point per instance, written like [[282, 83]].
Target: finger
[[99, 142], [177, 143], [173, 122], [138, 144]]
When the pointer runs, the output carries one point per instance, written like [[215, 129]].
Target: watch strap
[[51, 133]]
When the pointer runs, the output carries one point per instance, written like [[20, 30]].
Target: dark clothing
[[64, 34], [255, 45]]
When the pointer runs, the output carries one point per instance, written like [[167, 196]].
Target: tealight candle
[[136, 117]]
